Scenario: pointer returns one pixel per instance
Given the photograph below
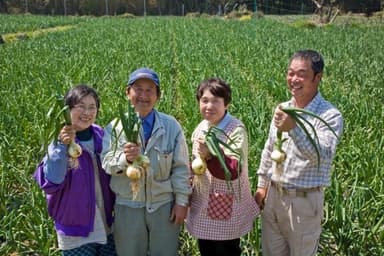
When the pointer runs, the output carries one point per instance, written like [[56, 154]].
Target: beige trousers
[[291, 224]]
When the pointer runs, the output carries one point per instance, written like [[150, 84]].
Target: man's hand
[[260, 196], [131, 151], [178, 214], [282, 120]]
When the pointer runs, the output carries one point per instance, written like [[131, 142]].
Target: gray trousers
[[139, 233]]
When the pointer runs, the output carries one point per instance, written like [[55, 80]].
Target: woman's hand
[[67, 134], [202, 149]]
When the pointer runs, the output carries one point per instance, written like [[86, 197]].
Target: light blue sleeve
[[55, 163]]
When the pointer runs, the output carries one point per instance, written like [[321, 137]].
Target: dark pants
[[219, 248], [93, 249]]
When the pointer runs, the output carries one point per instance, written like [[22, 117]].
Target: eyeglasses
[[83, 108]]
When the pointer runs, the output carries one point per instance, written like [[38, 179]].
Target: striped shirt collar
[[313, 105]]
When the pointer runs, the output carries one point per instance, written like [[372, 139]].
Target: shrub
[[127, 15], [304, 24], [193, 14]]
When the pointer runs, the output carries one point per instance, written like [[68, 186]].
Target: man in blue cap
[[149, 222]]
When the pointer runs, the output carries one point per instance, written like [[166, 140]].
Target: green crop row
[[24, 23], [251, 55]]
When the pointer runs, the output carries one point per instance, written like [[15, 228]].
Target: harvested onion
[[199, 166]]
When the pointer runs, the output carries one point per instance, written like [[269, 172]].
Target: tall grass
[[252, 56]]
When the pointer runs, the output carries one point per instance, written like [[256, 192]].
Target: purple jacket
[[70, 193]]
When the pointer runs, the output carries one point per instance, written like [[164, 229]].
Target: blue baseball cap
[[143, 73]]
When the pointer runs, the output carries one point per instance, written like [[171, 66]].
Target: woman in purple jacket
[[78, 197]]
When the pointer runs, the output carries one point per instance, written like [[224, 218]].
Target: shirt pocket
[[164, 163]]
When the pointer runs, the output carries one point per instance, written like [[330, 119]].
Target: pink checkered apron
[[217, 213]]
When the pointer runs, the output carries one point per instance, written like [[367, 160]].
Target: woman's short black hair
[[76, 93], [217, 87]]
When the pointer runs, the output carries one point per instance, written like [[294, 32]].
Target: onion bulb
[[133, 172], [74, 149], [199, 166], [278, 156]]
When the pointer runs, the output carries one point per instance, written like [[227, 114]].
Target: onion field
[[251, 55]]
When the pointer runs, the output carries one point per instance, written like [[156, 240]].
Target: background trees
[[180, 7]]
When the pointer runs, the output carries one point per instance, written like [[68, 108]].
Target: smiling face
[[212, 107], [302, 81], [84, 113], [143, 94]]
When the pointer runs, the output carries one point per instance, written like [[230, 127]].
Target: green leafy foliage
[[251, 56], [216, 146], [131, 122]]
